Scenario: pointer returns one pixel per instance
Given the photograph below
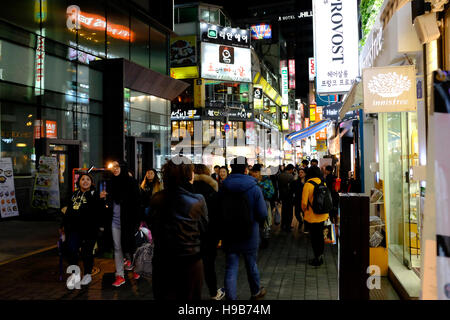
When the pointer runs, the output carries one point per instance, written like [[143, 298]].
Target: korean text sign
[[335, 44], [224, 35], [226, 63]]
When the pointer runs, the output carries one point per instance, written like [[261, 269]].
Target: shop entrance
[[140, 155], [68, 155]]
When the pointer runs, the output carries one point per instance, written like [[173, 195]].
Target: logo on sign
[[226, 55], [212, 33], [389, 85]]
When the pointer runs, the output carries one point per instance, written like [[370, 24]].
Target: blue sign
[[226, 127]]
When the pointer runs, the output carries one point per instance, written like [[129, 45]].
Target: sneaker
[[136, 276], [220, 294], [127, 265], [87, 278], [262, 292], [119, 281]]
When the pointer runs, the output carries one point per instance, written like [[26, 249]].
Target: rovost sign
[[335, 44], [390, 89]]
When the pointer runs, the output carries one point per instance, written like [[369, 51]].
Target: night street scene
[[251, 152]]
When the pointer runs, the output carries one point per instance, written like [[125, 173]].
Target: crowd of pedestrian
[[191, 213]]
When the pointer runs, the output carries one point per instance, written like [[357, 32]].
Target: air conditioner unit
[[427, 27]]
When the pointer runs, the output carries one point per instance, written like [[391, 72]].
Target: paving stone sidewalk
[[283, 269]]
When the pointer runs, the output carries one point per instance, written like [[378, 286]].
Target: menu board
[[8, 202], [46, 186]]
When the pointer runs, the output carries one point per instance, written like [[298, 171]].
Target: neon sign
[[261, 31], [76, 18]]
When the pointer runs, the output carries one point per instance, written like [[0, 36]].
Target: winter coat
[[208, 188], [297, 190], [284, 180], [258, 209], [178, 220], [307, 199], [85, 220], [267, 187]]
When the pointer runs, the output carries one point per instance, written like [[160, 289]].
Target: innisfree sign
[[390, 89]]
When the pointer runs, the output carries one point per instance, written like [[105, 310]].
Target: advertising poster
[[261, 31], [46, 186], [182, 51], [8, 202], [226, 63]]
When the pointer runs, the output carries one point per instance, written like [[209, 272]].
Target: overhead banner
[[8, 202], [226, 63], [335, 45], [182, 51], [390, 89]]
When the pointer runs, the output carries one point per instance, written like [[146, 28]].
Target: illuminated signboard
[[257, 97], [180, 114], [261, 31], [311, 69], [291, 74], [182, 51], [226, 63], [312, 112], [284, 85], [335, 45], [184, 72], [39, 63], [76, 18], [224, 35]]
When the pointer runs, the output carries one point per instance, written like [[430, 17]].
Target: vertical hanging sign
[[335, 44], [291, 74], [39, 63], [284, 86]]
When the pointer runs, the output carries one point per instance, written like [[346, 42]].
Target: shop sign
[[390, 89], [261, 31], [257, 97], [295, 16], [283, 64], [375, 44], [182, 51], [318, 113], [51, 129], [39, 63], [322, 134], [224, 35], [268, 90], [311, 69], [284, 119], [284, 86], [335, 45], [291, 74], [185, 114], [226, 63], [306, 122], [184, 72], [331, 112], [321, 145], [241, 114], [292, 121], [76, 18], [312, 112], [8, 201]]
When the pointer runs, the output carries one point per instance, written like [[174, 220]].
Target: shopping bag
[[329, 232], [277, 216]]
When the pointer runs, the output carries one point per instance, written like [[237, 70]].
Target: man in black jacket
[[286, 197]]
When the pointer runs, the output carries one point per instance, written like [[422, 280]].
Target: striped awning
[[305, 133]]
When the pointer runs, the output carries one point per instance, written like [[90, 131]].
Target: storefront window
[[118, 39], [17, 142], [17, 63], [158, 51], [140, 48]]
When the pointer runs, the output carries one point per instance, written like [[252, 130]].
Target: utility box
[[353, 247]]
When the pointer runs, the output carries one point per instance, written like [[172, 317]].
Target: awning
[[353, 101], [305, 133]]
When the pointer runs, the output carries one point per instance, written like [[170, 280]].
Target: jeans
[[317, 240], [286, 213], [118, 253], [231, 273], [75, 242]]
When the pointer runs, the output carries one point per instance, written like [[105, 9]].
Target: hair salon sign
[[389, 89]]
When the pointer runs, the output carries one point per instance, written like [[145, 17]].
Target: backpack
[[236, 221], [322, 201], [142, 260]]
